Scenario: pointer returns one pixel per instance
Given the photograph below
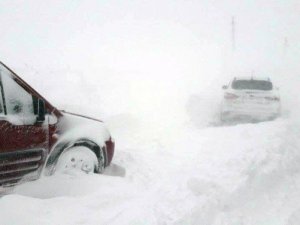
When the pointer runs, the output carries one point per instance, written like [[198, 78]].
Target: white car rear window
[[252, 85]]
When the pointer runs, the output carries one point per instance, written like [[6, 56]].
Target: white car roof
[[251, 78]]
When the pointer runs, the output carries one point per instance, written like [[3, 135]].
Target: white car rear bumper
[[250, 111]]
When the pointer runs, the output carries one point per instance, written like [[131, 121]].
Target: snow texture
[[153, 71], [249, 176]]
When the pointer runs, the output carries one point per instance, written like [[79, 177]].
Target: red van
[[36, 137]]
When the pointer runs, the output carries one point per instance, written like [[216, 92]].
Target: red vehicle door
[[23, 141]]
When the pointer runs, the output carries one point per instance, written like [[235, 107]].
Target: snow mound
[[242, 174]]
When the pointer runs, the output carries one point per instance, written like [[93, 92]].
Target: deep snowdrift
[[243, 174], [174, 162]]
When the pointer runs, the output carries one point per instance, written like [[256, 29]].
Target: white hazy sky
[[142, 34], [167, 45]]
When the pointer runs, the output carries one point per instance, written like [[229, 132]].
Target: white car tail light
[[230, 96]]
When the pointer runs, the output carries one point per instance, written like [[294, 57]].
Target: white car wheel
[[77, 158]]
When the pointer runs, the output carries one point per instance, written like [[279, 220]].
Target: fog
[[150, 59]]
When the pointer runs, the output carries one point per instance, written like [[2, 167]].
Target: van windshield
[[262, 85]]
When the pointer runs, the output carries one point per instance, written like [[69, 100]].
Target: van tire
[[77, 158]]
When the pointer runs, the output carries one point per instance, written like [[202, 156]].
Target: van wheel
[[78, 158]]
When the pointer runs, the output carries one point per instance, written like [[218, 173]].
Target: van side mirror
[[41, 111], [224, 87]]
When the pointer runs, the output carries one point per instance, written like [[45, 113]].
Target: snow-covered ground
[[174, 162], [217, 175]]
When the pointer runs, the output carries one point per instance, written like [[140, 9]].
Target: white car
[[254, 99]]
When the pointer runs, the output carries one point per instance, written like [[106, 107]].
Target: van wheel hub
[[77, 158]]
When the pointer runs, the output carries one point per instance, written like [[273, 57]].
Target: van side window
[[1, 100], [18, 102]]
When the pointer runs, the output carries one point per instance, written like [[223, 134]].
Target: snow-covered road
[[242, 174]]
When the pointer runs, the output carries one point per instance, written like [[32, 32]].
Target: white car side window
[[18, 102]]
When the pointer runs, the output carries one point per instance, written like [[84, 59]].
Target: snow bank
[[243, 174], [175, 172]]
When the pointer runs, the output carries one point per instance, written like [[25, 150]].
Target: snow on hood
[[76, 127]]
